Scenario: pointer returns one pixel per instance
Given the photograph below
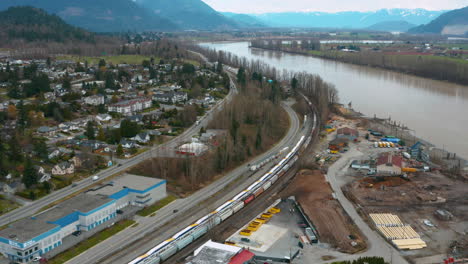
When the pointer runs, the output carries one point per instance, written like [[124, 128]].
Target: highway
[[150, 231], [35, 206]]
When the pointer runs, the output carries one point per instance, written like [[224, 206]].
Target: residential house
[[142, 138], [135, 118], [13, 187], [53, 153], [49, 96], [42, 174], [170, 97], [93, 144], [47, 131], [348, 133], [95, 100], [63, 168], [129, 107], [103, 117], [67, 127], [389, 164], [128, 144]]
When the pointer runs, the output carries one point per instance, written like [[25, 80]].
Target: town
[[74, 118]]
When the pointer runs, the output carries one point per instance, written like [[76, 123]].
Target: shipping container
[[249, 199], [311, 235], [274, 178], [259, 191], [409, 170], [199, 232], [184, 242], [168, 252], [267, 185], [225, 214], [237, 207]]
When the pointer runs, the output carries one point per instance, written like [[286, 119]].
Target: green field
[[90, 242], [7, 205], [156, 206], [117, 59]]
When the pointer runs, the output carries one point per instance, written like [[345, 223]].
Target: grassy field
[[90, 242], [155, 207], [118, 59], [7, 205]]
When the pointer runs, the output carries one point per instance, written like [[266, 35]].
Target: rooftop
[[389, 158], [83, 203], [28, 228], [214, 253], [130, 181]]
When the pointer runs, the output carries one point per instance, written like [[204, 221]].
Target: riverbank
[[426, 66], [448, 161]]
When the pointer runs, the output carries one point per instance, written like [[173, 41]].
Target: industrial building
[[390, 164], [214, 253], [29, 238], [346, 132], [192, 149]]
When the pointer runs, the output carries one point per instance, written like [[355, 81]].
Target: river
[[436, 111]]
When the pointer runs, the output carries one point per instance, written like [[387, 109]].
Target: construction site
[[410, 198]]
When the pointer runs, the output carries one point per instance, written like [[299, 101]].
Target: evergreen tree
[[15, 150], [258, 140], [40, 147], [101, 135], [90, 132], [66, 84], [120, 150], [22, 116], [30, 174]]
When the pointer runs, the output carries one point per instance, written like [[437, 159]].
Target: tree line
[[428, 66]]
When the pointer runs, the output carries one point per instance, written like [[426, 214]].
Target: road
[[150, 231], [377, 246], [35, 206]]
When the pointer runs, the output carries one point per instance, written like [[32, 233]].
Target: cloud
[[264, 6]]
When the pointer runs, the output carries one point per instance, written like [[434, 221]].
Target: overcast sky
[[263, 6]]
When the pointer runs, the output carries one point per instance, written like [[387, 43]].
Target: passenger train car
[[192, 232]]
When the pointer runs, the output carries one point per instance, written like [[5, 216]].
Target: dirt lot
[[416, 200], [332, 223]]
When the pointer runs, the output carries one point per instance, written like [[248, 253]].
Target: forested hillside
[[99, 15], [451, 23], [34, 24], [188, 14]]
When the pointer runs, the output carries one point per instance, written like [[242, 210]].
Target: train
[[192, 232]]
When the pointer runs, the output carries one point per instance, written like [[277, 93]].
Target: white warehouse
[[28, 238]]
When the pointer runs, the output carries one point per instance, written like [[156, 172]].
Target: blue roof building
[[28, 238]]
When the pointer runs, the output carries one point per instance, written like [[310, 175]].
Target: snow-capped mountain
[[349, 19]]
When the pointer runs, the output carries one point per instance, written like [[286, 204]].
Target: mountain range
[[33, 24], [188, 14], [351, 19], [392, 26], [176, 15], [99, 15]]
